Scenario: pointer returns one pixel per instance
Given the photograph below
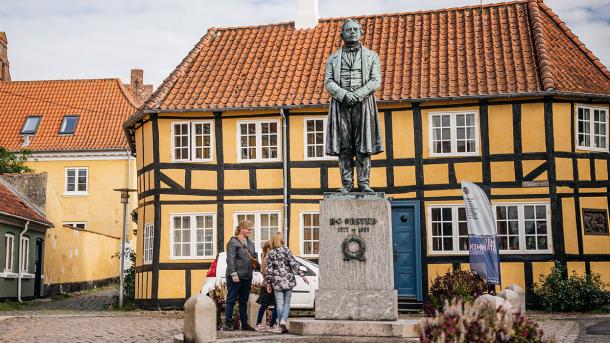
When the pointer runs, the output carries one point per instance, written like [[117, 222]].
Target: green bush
[[460, 284], [574, 294], [14, 162], [464, 322]]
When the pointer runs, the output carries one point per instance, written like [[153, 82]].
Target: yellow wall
[[73, 255]]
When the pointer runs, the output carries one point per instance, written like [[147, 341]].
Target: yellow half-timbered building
[[503, 95]]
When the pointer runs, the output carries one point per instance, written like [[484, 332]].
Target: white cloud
[[65, 39]]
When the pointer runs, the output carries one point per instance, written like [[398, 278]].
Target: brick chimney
[[140, 91], [4, 71], [307, 14]]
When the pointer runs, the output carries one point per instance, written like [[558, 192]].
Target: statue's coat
[[371, 142]]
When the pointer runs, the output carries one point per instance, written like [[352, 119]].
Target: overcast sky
[[67, 39]]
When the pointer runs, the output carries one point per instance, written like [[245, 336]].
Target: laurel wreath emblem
[[357, 254]]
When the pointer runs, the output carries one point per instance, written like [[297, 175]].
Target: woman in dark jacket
[[281, 267], [241, 261]]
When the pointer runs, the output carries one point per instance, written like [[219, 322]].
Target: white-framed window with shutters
[[9, 251], [258, 140], [591, 127], [447, 229], [266, 223], [522, 228], [24, 251], [310, 233], [149, 236], [314, 136], [192, 141], [76, 181], [453, 133], [192, 235]]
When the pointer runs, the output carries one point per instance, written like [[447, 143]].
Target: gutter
[[27, 224], [285, 172]]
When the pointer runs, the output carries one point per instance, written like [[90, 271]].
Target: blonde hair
[[277, 240], [242, 224], [266, 247]]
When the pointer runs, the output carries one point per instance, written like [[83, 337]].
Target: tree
[[14, 162]]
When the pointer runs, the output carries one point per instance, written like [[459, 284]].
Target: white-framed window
[[521, 228], [193, 236], [76, 225], [9, 247], [310, 233], [149, 235], [453, 133], [314, 136], [591, 128], [24, 249], [76, 181], [448, 229], [258, 140], [266, 223], [192, 141]]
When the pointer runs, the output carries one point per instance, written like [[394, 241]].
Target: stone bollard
[[497, 301], [512, 297], [521, 293], [199, 319], [253, 307]]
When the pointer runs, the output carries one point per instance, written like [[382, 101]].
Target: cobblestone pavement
[[84, 318]]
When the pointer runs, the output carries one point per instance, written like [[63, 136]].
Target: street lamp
[[124, 200]]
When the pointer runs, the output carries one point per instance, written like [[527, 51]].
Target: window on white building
[[192, 141], [592, 128], [453, 133], [9, 246], [76, 180], [193, 236], [265, 224], [315, 137], [310, 233], [149, 235], [25, 254], [258, 140]]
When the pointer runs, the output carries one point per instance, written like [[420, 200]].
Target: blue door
[[405, 237]]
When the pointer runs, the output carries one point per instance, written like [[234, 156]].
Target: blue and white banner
[[482, 237]]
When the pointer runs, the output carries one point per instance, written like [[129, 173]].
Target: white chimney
[[307, 14]]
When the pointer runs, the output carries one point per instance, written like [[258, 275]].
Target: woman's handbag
[[253, 261], [266, 298]]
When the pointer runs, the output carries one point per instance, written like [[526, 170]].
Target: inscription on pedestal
[[356, 262]]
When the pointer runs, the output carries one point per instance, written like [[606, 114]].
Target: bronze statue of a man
[[352, 75]]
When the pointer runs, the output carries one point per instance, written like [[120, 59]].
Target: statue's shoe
[[346, 189], [365, 188]]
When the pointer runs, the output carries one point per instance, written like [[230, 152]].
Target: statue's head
[[351, 32]]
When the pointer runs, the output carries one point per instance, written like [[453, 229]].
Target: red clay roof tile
[[506, 48], [13, 205], [101, 104]]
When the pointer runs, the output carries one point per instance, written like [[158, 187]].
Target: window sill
[[456, 154], [192, 257], [76, 194], [260, 161], [328, 158], [192, 161], [12, 275], [587, 149]]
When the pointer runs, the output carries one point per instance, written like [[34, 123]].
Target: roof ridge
[[157, 96], [61, 80], [127, 94], [581, 46], [548, 82], [386, 14]]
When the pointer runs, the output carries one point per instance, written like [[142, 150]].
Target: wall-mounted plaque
[[596, 221]]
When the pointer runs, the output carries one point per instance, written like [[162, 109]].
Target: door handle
[[395, 255]]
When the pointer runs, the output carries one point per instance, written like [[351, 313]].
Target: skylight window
[[68, 125], [31, 125]]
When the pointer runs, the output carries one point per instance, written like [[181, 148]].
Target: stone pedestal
[[356, 280]]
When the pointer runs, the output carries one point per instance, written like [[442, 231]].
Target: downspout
[[27, 224], [285, 170]]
